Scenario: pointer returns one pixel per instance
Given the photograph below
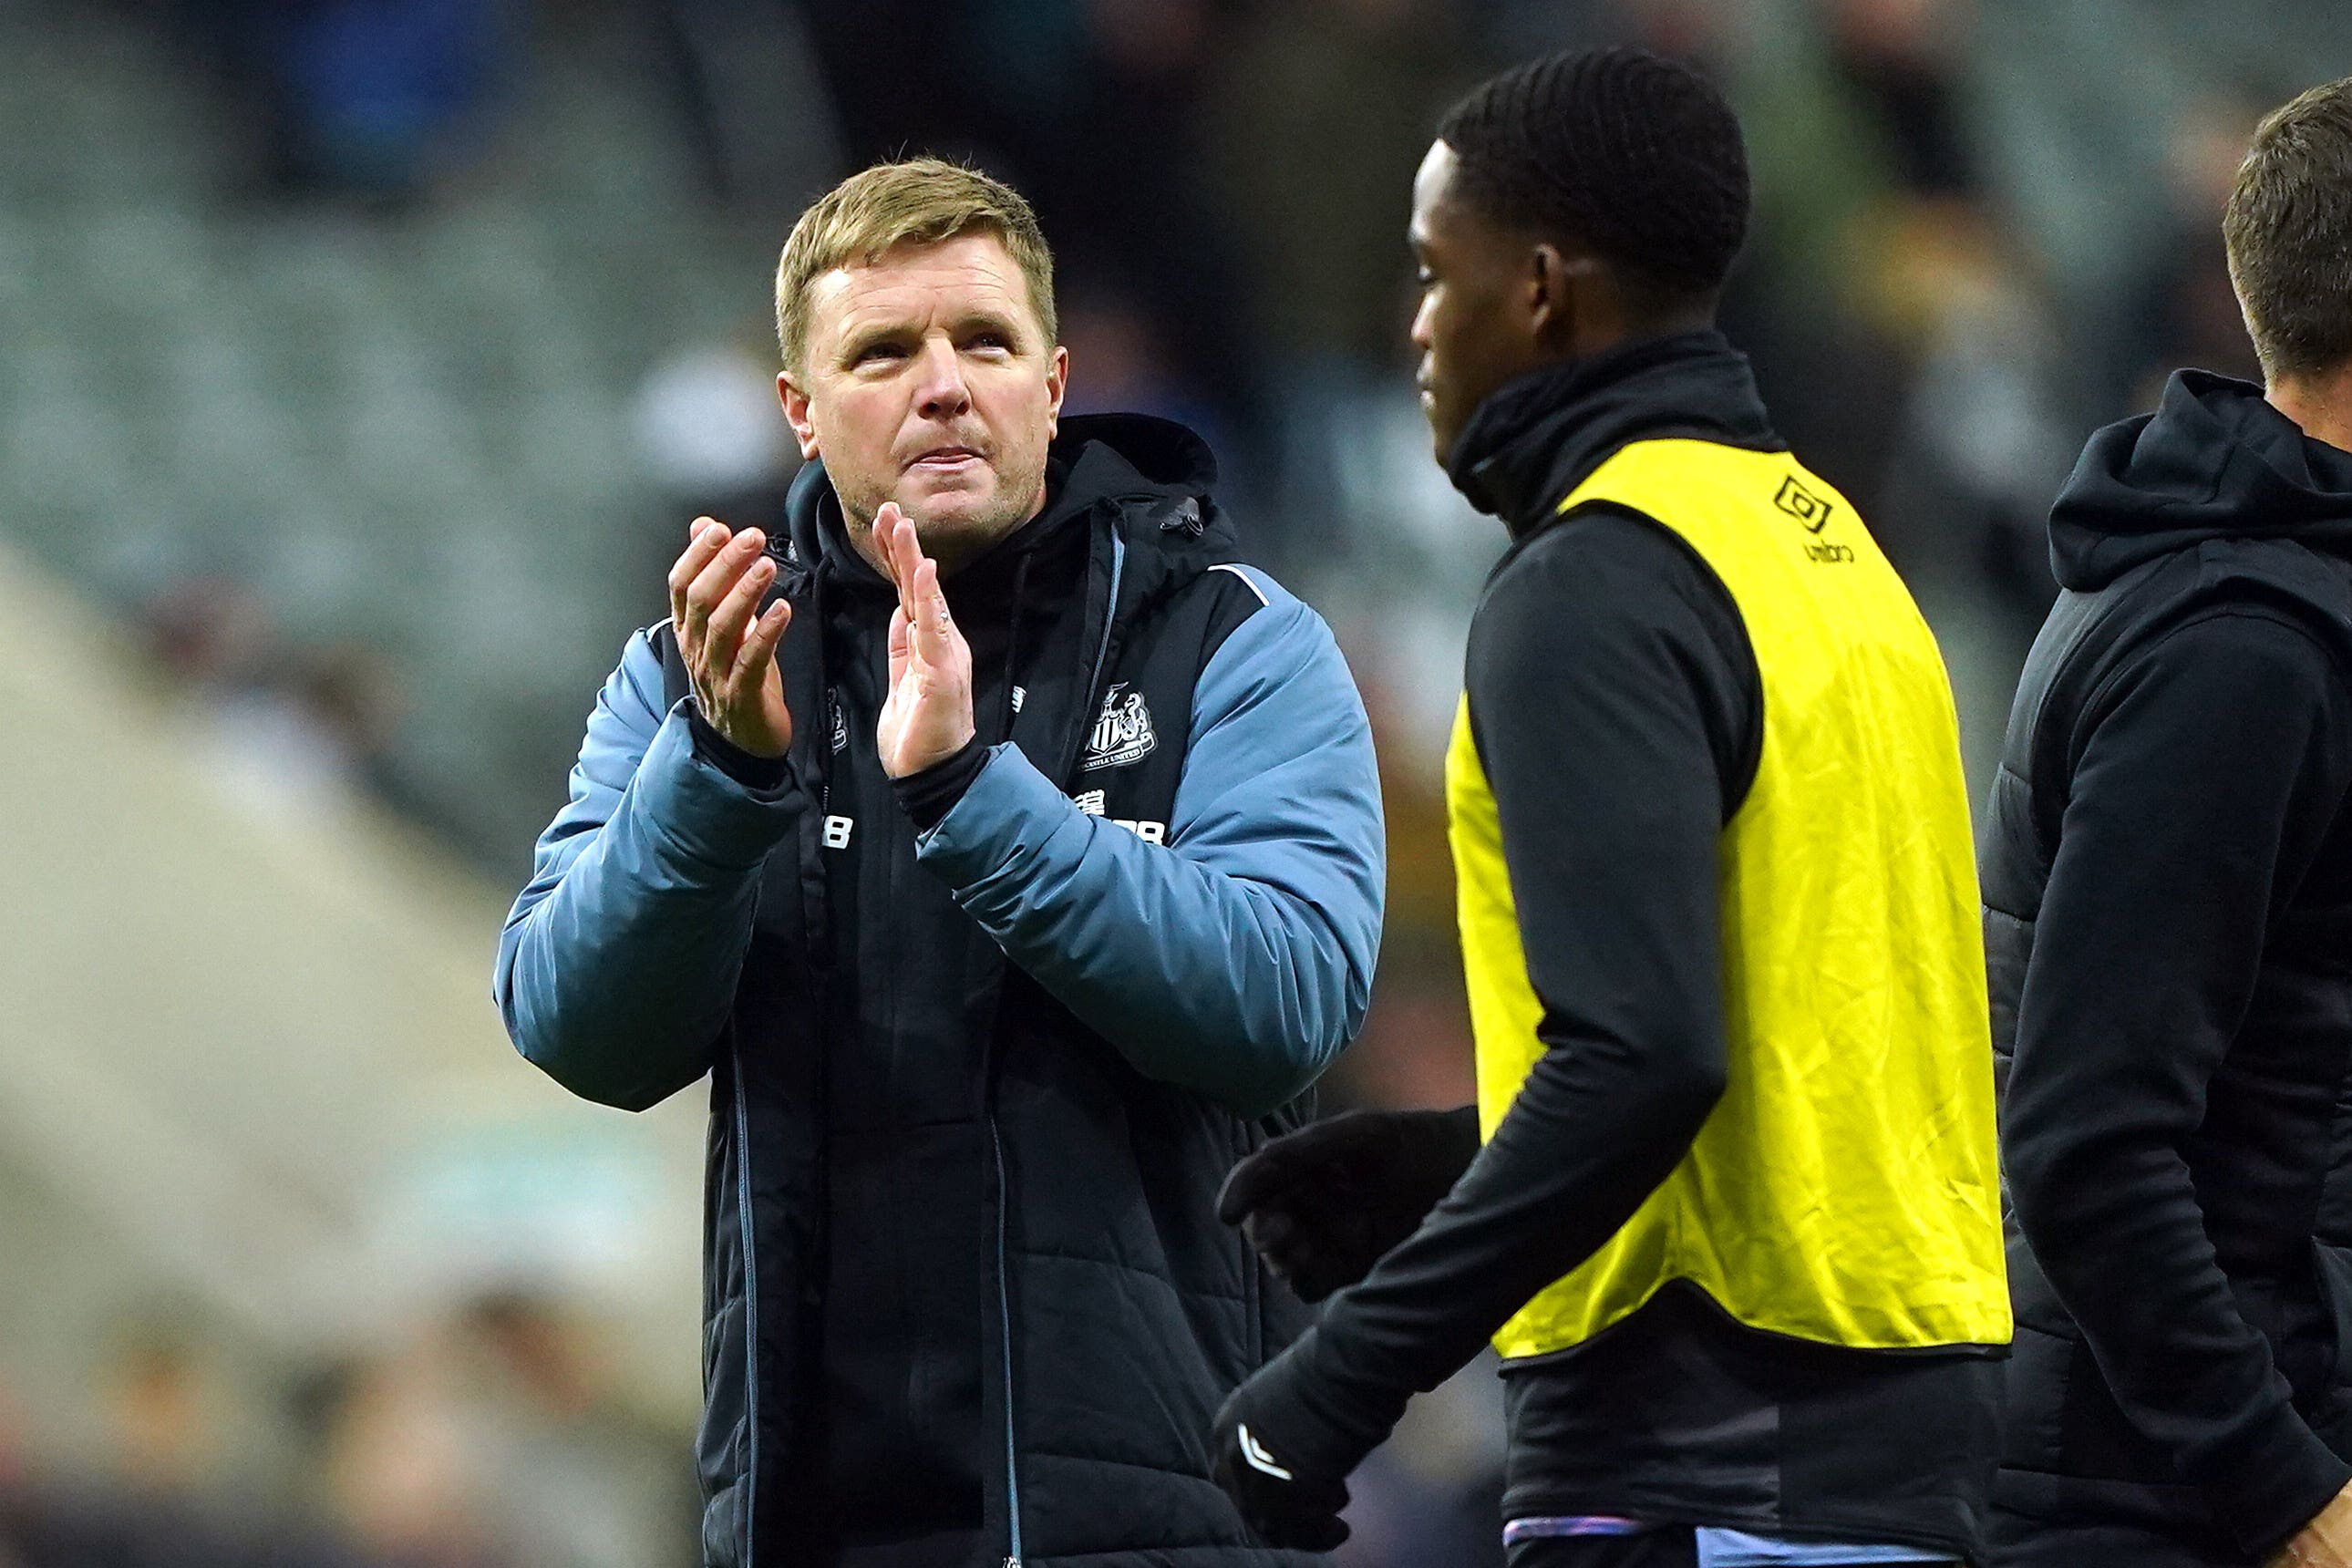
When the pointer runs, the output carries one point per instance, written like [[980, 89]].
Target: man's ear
[[1058, 384], [796, 413], [1549, 310], [1565, 294]]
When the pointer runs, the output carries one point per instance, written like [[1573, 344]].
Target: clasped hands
[[730, 646]]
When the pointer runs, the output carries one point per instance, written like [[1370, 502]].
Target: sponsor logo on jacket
[[1123, 732]]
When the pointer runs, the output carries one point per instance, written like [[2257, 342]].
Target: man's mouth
[[945, 457]]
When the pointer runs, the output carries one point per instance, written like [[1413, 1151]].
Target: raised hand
[[1325, 1203], [729, 647], [927, 718]]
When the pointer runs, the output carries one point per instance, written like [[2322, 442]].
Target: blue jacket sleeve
[[1237, 960], [619, 960]]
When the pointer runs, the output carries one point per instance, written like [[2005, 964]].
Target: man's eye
[[991, 341], [880, 351]]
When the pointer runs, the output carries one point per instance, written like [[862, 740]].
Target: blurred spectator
[[280, 727], [712, 436], [1120, 364], [588, 1484], [405, 1470], [382, 95], [2181, 311], [1321, 113], [1985, 441], [755, 107], [166, 1420], [1898, 60], [368, 99]]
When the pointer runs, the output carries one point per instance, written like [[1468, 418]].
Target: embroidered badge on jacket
[[1122, 732]]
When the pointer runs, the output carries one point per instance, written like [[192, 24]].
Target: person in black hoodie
[[2167, 880], [1012, 872], [1735, 1226]]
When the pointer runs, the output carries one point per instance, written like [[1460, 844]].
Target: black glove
[[1285, 1442], [1325, 1203]]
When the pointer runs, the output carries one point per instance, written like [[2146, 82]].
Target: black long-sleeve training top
[[1618, 714]]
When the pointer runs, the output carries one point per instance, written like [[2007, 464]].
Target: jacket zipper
[[996, 1139], [1004, 1346], [751, 1315]]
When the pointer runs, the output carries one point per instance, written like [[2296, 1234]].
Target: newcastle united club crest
[[1122, 732]]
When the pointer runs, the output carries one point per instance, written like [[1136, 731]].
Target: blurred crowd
[[1226, 183], [488, 1440]]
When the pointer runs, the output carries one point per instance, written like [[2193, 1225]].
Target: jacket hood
[[1153, 468], [2214, 461]]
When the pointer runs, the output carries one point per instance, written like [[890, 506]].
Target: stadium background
[[360, 362]]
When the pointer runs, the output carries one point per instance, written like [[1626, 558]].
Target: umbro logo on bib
[[1123, 731], [1802, 504]]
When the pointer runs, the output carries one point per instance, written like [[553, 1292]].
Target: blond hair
[[923, 201]]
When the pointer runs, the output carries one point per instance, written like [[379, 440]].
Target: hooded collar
[[1537, 437], [2215, 460]]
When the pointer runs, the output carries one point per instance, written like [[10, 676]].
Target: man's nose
[[1418, 334], [940, 389]]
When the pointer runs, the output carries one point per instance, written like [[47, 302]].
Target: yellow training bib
[[1844, 1189]]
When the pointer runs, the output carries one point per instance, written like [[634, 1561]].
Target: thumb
[[1257, 1181]]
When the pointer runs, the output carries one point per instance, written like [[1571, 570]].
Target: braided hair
[[1631, 154]]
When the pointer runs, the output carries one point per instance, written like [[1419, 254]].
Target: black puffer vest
[[2169, 518]]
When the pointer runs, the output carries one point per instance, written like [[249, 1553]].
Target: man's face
[[927, 381], [1478, 326]]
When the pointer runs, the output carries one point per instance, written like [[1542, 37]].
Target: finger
[[1259, 1180], [886, 519], [709, 536], [900, 648], [760, 643], [716, 581], [1316, 1274], [1308, 1517], [722, 638], [1274, 1232], [1326, 1533], [907, 560], [1238, 1195], [934, 637]]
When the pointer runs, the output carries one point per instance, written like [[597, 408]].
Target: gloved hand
[[1283, 1445], [1323, 1204]]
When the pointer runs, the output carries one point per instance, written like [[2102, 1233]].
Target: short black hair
[[1635, 155], [2288, 227]]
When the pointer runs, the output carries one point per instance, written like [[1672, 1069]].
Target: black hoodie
[[2167, 884]]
